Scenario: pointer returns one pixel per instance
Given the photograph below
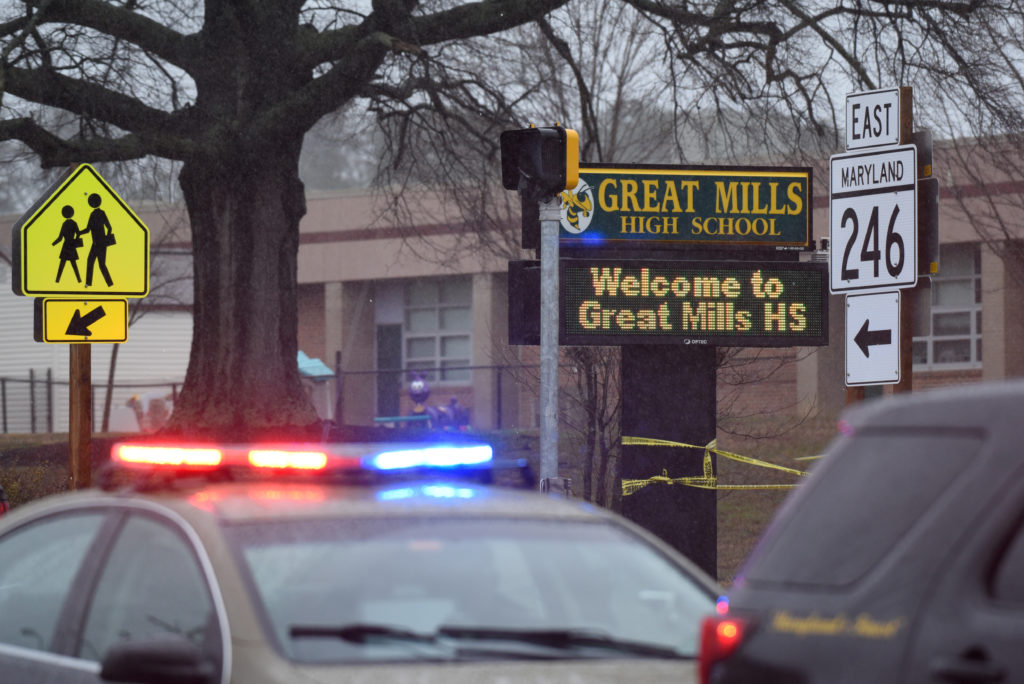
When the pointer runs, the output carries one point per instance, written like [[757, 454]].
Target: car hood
[[492, 672], [616, 671]]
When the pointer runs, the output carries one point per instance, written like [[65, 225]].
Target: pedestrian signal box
[[81, 238], [540, 162]]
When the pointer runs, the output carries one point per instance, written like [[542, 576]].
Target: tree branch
[[815, 25], [590, 128], [149, 35], [357, 51], [400, 31], [475, 19], [328, 92], [86, 99], [54, 151]]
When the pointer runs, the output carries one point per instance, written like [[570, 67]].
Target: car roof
[[261, 500], [981, 404], [265, 500]]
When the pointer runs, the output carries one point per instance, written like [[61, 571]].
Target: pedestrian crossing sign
[[81, 238]]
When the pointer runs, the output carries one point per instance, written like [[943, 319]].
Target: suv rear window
[[865, 500]]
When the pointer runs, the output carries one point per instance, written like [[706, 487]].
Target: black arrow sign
[[79, 324], [869, 338]]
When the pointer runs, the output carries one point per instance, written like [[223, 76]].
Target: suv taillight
[[719, 637]]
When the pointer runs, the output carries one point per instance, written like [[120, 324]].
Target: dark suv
[[901, 559], [5, 505]]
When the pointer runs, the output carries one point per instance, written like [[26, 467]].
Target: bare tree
[[228, 89], [595, 422]]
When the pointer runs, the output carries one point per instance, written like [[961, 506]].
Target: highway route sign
[[81, 320], [80, 239], [873, 219], [873, 338], [873, 118]]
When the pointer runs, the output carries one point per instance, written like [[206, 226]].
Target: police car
[[901, 559], [355, 561]]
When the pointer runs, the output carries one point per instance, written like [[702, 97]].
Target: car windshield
[[393, 589]]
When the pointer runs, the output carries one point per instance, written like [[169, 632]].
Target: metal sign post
[[549, 218]]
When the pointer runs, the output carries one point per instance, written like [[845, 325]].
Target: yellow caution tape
[[706, 481]]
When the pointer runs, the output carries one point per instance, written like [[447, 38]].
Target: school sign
[[79, 239], [81, 252], [672, 207]]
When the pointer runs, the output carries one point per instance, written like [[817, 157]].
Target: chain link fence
[[37, 403], [501, 396]]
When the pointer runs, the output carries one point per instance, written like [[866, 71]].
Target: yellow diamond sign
[[81, 239]]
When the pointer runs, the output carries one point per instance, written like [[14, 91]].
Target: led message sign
[[675, 207], [729, 303]]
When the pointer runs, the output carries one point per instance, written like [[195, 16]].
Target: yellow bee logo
[[577, 208]]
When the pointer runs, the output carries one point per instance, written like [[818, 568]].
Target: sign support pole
[[549, 219], [669, 392], [906, 383], [80, 418]]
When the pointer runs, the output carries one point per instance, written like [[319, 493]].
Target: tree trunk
[[243, 380]]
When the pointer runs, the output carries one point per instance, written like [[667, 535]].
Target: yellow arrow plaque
[[81, 320], [81, 239]]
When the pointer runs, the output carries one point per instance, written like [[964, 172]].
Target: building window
[[438, 322], [947, 324]]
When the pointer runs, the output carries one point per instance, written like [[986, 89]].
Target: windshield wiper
[[364, 633], [558, 639], [562, 639], [360, 633]]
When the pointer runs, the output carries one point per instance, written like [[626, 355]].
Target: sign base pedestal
[[669, 392]]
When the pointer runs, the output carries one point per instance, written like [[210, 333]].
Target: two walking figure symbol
[[102, 235]]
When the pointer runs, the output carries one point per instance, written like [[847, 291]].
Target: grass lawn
[[36, 465], [18, 441], [744, 514]]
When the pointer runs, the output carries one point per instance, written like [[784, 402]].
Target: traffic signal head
[[540, 162]]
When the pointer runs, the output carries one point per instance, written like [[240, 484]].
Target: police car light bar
[[281, 458], [153, 455], [357, 457], [445, 456]]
